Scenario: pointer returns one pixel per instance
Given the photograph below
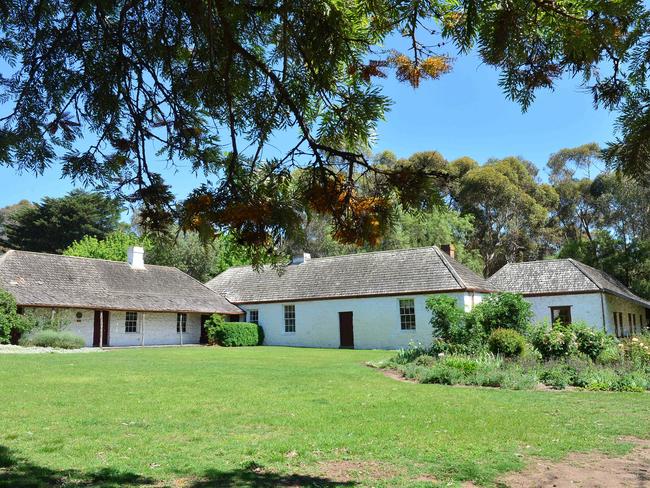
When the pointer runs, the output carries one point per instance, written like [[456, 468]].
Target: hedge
[[234, 334], [53, 338]]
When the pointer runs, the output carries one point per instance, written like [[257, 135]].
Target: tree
[[577, 213], [416, 228], [510, 210], [188, 253], [196, 83], [113, 247], [55, 223], [6, 217], [619, 244]]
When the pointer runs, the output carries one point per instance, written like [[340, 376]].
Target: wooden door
[[204, 336], [346, 330], [101, 320]]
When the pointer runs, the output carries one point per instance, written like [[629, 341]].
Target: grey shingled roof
[[51, 280], [558, 276], [406, 271]]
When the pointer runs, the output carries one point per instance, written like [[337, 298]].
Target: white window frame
[[410, 327], [130, 321], [181, 320], [250, 316], [289, 318]]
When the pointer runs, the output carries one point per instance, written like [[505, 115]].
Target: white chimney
[[301, 258], [135, 256]]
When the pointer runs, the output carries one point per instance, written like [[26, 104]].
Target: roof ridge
[[339, 256], [17, 251], [579, 265], [451, 269]]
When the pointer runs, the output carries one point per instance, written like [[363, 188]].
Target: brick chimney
[[135, 256], [300, 258], [449, 249]]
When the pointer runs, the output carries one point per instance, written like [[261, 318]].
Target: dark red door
[[204, 335], [101, 320], [346, 330]]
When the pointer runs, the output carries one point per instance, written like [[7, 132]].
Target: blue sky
[[465, 113]]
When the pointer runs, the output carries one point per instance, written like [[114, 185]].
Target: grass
[[272, 416]]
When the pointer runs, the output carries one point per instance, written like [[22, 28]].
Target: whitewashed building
[[110, 303], [367, 300], [571, 291]]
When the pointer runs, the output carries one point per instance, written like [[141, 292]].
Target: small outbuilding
[[110, 303], [570, 291]]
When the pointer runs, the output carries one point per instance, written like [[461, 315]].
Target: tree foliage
[[510, 210], [55, 223], [184, 251], [114, 247], [209, 85]]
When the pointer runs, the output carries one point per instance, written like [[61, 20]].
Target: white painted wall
[[376, 321], [626, 307], [159, 328], [587, 307]]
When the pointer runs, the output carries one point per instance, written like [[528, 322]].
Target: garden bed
[[496, 345]]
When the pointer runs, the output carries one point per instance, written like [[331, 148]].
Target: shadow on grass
[[20, 473], [16, 472], [255, 478]]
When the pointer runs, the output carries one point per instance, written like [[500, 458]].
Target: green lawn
[[270, 416]]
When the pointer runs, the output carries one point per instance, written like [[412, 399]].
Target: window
[[181, 323], [131, 322], [616, 325], [407, 314], [254, 317], [563, 314], [634, 323], [289, 318]]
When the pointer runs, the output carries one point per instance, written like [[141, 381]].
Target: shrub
[[443, 374], [633, 381], [597, 379], [474, 347], [233, 334], [558, 376], [612, 354], [636, 350], [409, 354], [11, 323], [447, 320], [466, 365], [7, 316], [590, 341], [505, 311], [554, 342], [53, 338], [518, 379], [424, 360], [507, 342]]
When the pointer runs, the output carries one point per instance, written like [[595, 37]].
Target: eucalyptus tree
[[107, 88]]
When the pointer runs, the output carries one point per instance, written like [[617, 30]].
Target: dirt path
[[593, 470]]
